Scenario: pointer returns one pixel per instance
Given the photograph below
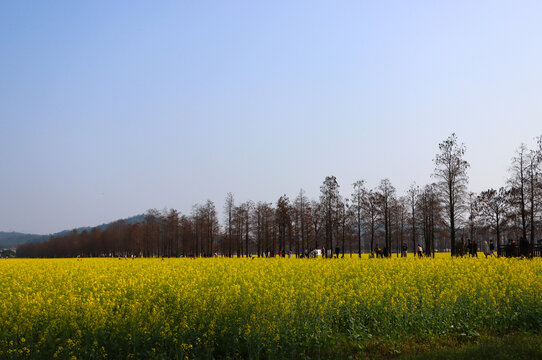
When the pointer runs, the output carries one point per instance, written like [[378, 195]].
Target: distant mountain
[[12, 239]]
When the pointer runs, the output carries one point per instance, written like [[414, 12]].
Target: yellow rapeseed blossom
[[184, 308]]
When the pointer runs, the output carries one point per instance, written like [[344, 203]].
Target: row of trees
[[439, 216]]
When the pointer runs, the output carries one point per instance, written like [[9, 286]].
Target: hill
[[12, 239]]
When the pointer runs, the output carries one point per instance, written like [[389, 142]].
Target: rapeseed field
[[255, 308]]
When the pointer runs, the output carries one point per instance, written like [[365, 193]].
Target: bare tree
[[342, 221], [401, 213], [315, 216], [493, 208], [473, 206], [451, 171], [259, 221], [238, 228], [370, 210], [187, 236], [229, 207], [518, 183], [330, 198], [246, 209], [534, 183], [358, 197], [152, 232], [412, 197], [429, 210], [210, 226], [283, 218], [172, 233], [301, 205], [386, 196]]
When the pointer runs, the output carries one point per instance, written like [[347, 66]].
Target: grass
[[515, 346], [518, 346]]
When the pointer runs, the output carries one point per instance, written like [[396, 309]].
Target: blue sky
[[107, 110]]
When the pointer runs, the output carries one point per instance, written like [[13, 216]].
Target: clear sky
[[110, 108]]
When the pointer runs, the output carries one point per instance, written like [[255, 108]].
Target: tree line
[[439, 216]]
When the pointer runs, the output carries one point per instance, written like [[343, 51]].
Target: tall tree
[[258, 216], [229, 207], [412, 197], [534, 172], [238, 228], [342, 222], [172, 233], [358, 197], [283, 216], [246, 211], [315, 216], [370, 211], [187, 236], [330, 198], [451, 171], [210, 225], [518, 182], [301, 205], [152, 232], [386, 196], [401, 213], [473, 207], [493, 208], [429, 211]]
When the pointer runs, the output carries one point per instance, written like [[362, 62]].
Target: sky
[[108, 109]]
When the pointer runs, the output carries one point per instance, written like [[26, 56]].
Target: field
[[263, 308]]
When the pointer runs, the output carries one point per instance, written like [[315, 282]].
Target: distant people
[[337, 251], [524, 246], [469, 247], [420, 250], [404, 249], [512, 250], [485, 248], [492, 248], [474, 249], [378, 252]]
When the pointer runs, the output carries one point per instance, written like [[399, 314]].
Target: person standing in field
[[491, 248], [524, 246], [475, 249], [404, 250], [420, 250], [485, 248]]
